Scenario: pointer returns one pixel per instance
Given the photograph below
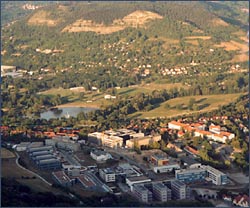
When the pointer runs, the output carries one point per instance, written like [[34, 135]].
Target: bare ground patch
[[42, 18], [193, 42], [219, 22], [233, 45], [198, 37], [135, 19]]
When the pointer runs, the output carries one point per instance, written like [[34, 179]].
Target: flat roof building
[[142, 193], [100, 156], [49, 164], [180, 190], [159, 159], [162, 192], [216, 176], [191, 175], [62, 179], [107, 174], [136, 180], [37, 149]]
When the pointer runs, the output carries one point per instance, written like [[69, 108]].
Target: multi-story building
[[142, 193], [191, 175], [159, 159], [176, 125], [49, 164], [131, 181], [112, 141], [142, 141], [166, 168], [216, 176], [96, 137], [180, 190], [201, 174], [162, 192], [100, 156], [107, 174]]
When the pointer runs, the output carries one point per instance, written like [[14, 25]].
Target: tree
[[81, 95], [191, 103]]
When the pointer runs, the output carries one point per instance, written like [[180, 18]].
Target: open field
[[206, 103], [11, 170], [5, 154], [97, 99]]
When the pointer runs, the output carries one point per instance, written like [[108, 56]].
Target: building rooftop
[[61, 176], [178, 183], [189, 160], [160, 185], [138, 178], [86, 181], [178, 123], [108, 170], [191, 170], [98, 152], [140, 188], [48, 161], [160, 156]]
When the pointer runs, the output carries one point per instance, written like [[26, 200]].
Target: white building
[[112, 141], [216, 176], [136, 180], [176, 125], [166, 168], [100, 156], [107, 174]]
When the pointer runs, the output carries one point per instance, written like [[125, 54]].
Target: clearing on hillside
[[42, 18], [135, 19], [199, 37], [219, 22]]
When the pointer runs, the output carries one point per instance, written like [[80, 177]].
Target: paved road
[[44, 180]]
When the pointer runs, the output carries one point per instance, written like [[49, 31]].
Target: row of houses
[[215, 132]]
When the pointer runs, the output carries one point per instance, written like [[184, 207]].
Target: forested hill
[[166, 26]]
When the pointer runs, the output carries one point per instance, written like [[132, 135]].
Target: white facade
[[107, 175], [216, 176], [219, 138], [112, 141], [136, 180], [100, 157], [166, 168], [174, 126]]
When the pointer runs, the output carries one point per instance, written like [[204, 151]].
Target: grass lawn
[[206, 103], [5, 154], [97, 98], [11, 170]]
